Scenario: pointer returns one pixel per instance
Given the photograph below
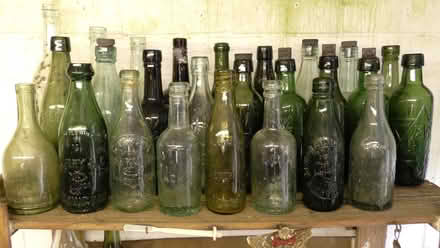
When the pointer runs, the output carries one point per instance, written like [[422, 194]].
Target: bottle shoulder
[[181, 137], [292, 99], [274, 136]]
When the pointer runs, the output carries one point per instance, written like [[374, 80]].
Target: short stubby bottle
[[348, 57], [31, 171], [309, 68], [221, 63], [390, 68], [410, 118], [264, 69], [226, 170], [131, 151], [83, 146], [323, 150], [178, 159], [273, 159], [372, 153]]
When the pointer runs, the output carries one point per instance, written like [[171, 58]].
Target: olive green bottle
[[390, 68], [112, 239], [221, 51]]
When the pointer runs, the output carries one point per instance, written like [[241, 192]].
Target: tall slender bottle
[[221, 51], [292, 105], [95, 32], [178, 159], [83, 146], [200, 107], [328, 65], [390, 68], [137, 47], [57, 89], [348, 57], [112, 239], [41, 75], [180, 60], [131, 152], [264, 68], [273, 158], [225, 173], [309, 68], [373, 153], [30, 164], [410, 117], [106, 84], [323, 150], [247, 105]]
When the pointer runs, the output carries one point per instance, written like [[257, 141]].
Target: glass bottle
[[348, 70], [180, 60], [200, 104], [95, 32], [112, 239], [292, 105], [178, 159], [410, 118], [264, 68], [67, 239], [273, 158], [30, 163], [131, 152], [247, 105], [372, 153], [225, 173], [83, 146], [137, 47], [390, 68], [309, 68], [106, 83], [221, 51], [57, 89], [323, 186], [41, 75]]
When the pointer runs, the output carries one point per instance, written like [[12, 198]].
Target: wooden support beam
[[5, 240], [371, 236]]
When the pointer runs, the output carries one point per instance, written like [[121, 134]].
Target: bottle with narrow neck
[[292, 105], [67, 239], [221, 51], [95, 32], [372, 153], [225, 174], [390, 68], [137, 46], [410, 118], [308, 69], [180, 60], [264, 68], [112, 239], [348, 57], [200, 106], [273, 152], [57, 89], [323, 184]]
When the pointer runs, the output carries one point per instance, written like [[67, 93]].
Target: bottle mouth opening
[[24, 87]]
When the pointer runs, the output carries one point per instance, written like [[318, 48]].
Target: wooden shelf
[[411, 205]]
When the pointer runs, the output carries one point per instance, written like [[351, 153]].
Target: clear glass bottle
[[372, 153], [264, 69], [348, 56], [323, 186], [390, 68], [178, 159], [106, 84], [41, 75], [95, 32], [247, 105], [137, 47], [225, 173], [309, 68], [131, 152], [112, 239], [57, 89], [83, 146], [273, 158], [410, 118], [292, 105], [67, 239], [221, 51], [200, 106], [30, 164]]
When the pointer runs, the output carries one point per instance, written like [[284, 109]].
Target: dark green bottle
[[83, 146], [410, 118], [248, 105], [292, 106], [390, 68], [112, 239], [221, 51], [264, 68]]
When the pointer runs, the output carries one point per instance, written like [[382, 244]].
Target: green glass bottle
[[264, 69], [247, 105], [221, 51], [112, 239], [57, 89], [292, 105], [410, 118], [83, 146], [30, 164], [390, 68], [225, 173]]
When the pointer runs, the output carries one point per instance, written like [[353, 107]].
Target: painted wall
[[244, 24]]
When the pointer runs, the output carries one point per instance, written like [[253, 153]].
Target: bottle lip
[[328, 62], [97, 32], [221, 47], [271, 85], [179, 43], [393, 50], [129, 77], [178, 89], [413, 60], [369, 64], [199, 63], [137, 41], [374, 81], [59, 44], [285, 65], [24, 86], [80, 70], [243, 62], [264, 53], [152, 56]]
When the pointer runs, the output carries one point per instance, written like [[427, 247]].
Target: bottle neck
[[136, 61], [374, 106], [60, 63], [331, 73], [130, 100], [153, 83], [362, 76], [287, 81], [178, 113], [27, 117], [222, 61], [244, 79], [309, 61], [112, 239], [265, 69], [49, 30], [180, 65], [201, 83], [223, 95], [272, 118], [412, 76]]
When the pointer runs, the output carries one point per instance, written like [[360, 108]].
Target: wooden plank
[[411, 205], [371, 236], [5, 240]]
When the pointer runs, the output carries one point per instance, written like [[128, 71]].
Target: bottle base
[[132, 209], [369, 207], [31, 211], [273, 211], [179, 211], [83, 211]]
